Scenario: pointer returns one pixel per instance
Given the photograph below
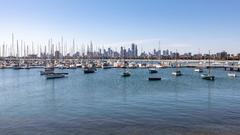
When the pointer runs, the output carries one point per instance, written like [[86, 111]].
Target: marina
[[89, 104], [119, 67]]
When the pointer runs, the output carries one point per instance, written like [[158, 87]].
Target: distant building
[[222, 55], [57, 55]]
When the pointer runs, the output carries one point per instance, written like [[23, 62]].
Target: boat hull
[[177, 73], [208, 77], [232, 75], [126, 75], [198, 70], [55, 76], [154, 78]]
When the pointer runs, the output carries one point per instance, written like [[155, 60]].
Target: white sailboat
[[232, 74], [198, 68], [125, 73], [90, 67], [208, 76], [177, 72], [154, 77], [152, 70], [50, 74]]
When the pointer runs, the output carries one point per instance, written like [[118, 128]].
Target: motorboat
[[177, 73], [152, 70], [208, 77]]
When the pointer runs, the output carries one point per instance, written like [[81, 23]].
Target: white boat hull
[[198, 70], [232, 75]]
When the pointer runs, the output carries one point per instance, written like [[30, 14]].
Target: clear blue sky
[[186, 25]]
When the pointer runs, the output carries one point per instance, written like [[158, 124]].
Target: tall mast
[[124, 53], [12, 47], [3, 50], [176, 61], [17, 54], [73, 49], [209, 63], [62, 46]]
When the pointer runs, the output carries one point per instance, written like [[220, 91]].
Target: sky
[[185, 25]]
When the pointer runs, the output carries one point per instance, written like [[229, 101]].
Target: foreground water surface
[[104, 103]]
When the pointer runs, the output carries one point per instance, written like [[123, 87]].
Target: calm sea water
[[104, 103]]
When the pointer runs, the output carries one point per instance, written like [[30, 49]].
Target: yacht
[[177, 73], [17, 67], [232, 75], [126, 74], [208, 76], [88, 70], [55, 75], [154, 78], [198, 69], [105, 65], [153, 70], [47, 70]]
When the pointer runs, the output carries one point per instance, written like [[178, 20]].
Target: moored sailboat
[[177, 72], [125, 73], [208, 76]]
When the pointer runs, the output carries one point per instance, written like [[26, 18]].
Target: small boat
[[55, 75], [208, 77], [106, 66], [89, 70], [72, 66], [153, 70], [154, 78], [47, 70], [17, 68], [232, 75], [26, 67], [177, 73], [126, 74], [199, 70]]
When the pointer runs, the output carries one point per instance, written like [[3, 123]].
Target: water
[[104, 103]]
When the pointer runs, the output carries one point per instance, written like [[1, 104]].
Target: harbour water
[[104, 103]]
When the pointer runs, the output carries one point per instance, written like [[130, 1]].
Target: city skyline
[[19, 48], [192, 25], [60, 49]]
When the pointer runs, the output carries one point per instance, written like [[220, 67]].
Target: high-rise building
[[121, 52], [134, 50]]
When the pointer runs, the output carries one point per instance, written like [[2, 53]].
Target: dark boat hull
[[55, 76], [210, 78], [126, 75], [154, 78], [153, 71]]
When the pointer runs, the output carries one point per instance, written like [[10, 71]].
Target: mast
[[11, 52], [18, 54], [124, 53], [3, 50], [176, 61], [209, 63]]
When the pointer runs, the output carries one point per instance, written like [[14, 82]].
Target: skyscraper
[[134, 50]]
